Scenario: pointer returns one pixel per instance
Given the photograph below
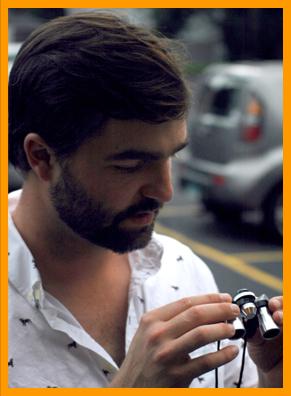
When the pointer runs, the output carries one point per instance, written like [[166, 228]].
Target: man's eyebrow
[[133, 154]]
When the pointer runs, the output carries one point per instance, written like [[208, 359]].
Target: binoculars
[[254, 314]]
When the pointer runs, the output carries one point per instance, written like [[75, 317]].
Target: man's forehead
[[133, 134]]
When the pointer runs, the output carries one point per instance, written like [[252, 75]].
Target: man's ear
[[39, 156]]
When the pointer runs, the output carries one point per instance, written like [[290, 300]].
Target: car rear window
[[218, 101]]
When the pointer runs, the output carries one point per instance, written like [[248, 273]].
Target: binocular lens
[[271, 333]]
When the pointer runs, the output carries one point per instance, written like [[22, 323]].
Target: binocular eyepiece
[[254, 313]]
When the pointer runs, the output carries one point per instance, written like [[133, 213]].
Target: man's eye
[[128, 168]]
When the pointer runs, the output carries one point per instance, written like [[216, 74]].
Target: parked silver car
[[235, 153]]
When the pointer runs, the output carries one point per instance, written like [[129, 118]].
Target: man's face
[[112, 188]]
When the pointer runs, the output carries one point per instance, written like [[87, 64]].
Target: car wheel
[[273, 213]]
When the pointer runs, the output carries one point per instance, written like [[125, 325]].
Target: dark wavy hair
[[74, 73]]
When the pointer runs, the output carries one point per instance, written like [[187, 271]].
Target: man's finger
[[276, 303], [199, 337], [199, 315], [202, 364], [171, 310], [278, 317]]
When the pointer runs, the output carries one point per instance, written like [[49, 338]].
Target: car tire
[[273, 213]]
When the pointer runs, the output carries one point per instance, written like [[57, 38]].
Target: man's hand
[[159, 353], [268, 354]]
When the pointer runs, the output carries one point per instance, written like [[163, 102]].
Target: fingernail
[[225, 297], [280, 316], [235, 309], [234, 349], [276, 303], [232, 329]]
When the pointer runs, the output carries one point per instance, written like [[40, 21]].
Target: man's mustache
[[147, 205]]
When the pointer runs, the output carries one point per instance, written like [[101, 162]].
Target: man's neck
[[61, 256]]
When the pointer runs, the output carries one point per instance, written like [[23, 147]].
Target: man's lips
[[143, 218]]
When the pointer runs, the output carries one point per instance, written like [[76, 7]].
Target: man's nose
[[159, 186]]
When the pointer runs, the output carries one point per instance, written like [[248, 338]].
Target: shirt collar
[[22, 270]]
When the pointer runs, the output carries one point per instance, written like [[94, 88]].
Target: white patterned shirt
[[49, 348]]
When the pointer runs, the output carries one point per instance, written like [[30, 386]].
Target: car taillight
[[218, 180], [252, 133], [252, 123]]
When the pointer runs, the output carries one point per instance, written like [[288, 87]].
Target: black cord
[[238, 384], [242, 363], [216, 369]]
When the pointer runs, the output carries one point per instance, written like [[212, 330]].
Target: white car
[[235, 154]]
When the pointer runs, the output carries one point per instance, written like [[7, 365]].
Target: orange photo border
[[5, 5]]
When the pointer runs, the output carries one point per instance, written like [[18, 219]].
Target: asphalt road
[[240, 255]]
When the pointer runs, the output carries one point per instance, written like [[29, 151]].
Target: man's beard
[[94, 222]]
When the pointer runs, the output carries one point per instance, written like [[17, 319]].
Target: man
[[97, 108]]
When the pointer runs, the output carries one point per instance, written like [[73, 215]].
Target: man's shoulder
[[181, 255], [182, 267], [13, 198], [171, 245]]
